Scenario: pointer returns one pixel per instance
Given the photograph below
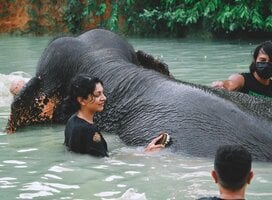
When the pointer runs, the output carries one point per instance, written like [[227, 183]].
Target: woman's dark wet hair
[[81, 86], [265, 47]]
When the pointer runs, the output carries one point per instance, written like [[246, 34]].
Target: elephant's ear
[[149, 62]]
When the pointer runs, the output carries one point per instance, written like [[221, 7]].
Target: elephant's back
[[60, 61], [98, 39]]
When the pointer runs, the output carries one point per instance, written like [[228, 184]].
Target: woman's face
[[95, 102]]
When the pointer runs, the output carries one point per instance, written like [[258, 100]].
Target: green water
[[35, 165]]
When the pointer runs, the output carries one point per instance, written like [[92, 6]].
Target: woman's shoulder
[[75, 119], [78, 123], [72, 118]]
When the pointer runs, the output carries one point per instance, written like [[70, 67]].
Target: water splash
[[5, 82]]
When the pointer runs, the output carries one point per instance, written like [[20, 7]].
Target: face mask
[[264, 69]]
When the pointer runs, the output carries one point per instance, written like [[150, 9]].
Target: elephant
[[143, 99]]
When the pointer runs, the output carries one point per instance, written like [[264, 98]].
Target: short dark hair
[[266, 47], [82, 85], [232, 165]]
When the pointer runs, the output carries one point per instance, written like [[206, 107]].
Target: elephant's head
[[31, 106]]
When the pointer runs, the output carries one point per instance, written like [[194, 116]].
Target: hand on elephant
[[153, 147]]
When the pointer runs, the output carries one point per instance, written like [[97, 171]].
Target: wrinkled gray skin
[[143, 102]]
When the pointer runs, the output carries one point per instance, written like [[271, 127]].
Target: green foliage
[[160, 17], [268, 23], [4, 9], [172, 16], [113, 20], [74, 15], [97, 9], [77, 13], [34, 25]]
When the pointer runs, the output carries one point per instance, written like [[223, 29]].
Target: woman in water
[[86, 97]]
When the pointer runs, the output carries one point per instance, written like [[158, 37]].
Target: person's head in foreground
[[232, 171]]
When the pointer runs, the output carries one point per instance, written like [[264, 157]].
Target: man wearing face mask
[[257, 82]]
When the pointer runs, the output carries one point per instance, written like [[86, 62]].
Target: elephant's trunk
[[10, 128]]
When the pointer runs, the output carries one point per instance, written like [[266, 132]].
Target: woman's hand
[[153, 147]]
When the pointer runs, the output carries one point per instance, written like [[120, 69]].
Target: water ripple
[[107, 193], [20, 166], [132, 172], [27, 150], [116, 162], [101, 167], [52, 176], [3, 143], [7, 182], [136, 165], [59, 169], [111, 178], [129, 194], [62, 186], [34, 195], [14, 162], [44, 189]]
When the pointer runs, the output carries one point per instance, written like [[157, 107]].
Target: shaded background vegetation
[[133, 17]]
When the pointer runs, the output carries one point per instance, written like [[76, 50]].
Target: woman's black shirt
[[85, 138]]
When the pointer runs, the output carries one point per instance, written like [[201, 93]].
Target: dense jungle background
[[175, 18]]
